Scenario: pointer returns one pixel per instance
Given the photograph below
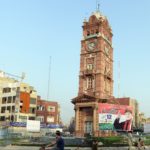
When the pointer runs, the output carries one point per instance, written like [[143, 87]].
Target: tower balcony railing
[[87, 72], [90, 36]]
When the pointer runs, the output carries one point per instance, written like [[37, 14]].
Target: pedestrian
[[58, 145], [141, 144], [42, 148], [94, 145], [59, 141]]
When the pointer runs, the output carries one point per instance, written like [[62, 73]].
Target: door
[[88, 127]]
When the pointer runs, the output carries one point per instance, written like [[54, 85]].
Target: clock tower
[[96, 73]]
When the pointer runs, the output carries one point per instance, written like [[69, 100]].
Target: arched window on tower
[[90, 66], [89, 63], [90, 82]]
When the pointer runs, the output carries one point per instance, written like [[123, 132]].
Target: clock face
[[91, 46]]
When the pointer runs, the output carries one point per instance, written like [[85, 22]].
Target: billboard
[[115, 117], [33, 126]]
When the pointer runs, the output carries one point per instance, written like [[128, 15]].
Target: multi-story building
[[8, 96], [48, 111], [27, 103], [17, 100]]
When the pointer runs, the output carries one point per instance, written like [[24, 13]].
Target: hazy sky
[[33, 30]]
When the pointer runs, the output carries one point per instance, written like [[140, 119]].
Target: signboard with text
[[115, 117]]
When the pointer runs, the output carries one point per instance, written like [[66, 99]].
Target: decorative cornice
[[83, 98]]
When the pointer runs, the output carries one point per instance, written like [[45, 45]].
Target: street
[[67, 148]]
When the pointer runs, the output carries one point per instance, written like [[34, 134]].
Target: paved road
[[37, 148], [19, 148]]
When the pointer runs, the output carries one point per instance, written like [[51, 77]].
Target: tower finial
[[97, 5]]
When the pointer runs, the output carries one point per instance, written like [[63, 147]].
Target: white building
[[18, 100]]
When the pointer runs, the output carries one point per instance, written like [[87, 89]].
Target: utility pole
[[49, 73], [118, 79]]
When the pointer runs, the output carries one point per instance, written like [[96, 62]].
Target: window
[[9, 99], [50, 119], [51, 108], [40, 108], [32, 110], [89, 83], [40, 118], [32, 101], [90, 66], [13, 108], [3, 109], [4, 99], [14, 98], [2, 118], [9, 108], [23, 117], [6, 90], [31, 118]]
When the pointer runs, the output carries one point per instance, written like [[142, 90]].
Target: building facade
[[96, 73], [27, 103], [8, 96], [142, 119], [48, 112], [17, 100]]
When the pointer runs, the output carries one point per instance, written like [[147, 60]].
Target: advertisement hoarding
[[115, 117], [33, 126]]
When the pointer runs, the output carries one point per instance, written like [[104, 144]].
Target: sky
[[33, 31]]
